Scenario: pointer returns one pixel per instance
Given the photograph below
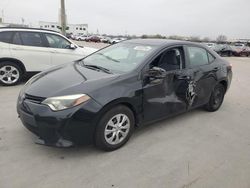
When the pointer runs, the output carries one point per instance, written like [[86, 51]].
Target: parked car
[[74, 36], [116, 40], [69, 35], [25, 50], [225, 50], [105, 39], [93, 39], [217, 48], [210, 45], [81, 37], [241, 50], [107, 94]]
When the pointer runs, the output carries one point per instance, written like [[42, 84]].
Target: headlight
[[64, 102]]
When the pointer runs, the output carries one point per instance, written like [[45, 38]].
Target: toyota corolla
[[101, 98]]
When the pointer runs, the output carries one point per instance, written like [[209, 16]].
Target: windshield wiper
[[96, 67], [108, 57]]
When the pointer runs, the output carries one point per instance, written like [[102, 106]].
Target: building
[[72, 28], [2, 24]]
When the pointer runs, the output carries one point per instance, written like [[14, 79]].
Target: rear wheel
[[10, 73], [115, 128], [216, 98]]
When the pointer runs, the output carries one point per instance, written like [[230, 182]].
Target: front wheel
[[115, 128], [216, 98], [10, 73]]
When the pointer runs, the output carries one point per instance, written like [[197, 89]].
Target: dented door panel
[[163, 98]]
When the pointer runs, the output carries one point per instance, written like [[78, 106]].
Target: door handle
[[183, 77]]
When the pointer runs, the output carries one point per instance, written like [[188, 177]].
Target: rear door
[[202, 70], [30, 48]]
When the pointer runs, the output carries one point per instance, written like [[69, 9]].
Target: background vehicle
[[80, 38], [93, 39], [116, 40], [225, 50], [241, 50], [33, 50], [105, 39], [210, 45], [119, 87]]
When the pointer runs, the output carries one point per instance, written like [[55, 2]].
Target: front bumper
[[62, 128]]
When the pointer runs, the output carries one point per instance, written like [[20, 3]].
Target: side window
[[171, 59], [211, 58], [5, 36], [31, 39], [57, 41], [197, 56], [16, 39]]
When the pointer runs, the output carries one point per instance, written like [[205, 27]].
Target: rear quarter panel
[[5, 50]]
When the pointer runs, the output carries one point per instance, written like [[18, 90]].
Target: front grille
[[34, 99]]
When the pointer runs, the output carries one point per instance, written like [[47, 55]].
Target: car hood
[[67, 79]]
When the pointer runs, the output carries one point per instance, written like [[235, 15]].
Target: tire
[[216, 98], [10, 73], [108, 136]]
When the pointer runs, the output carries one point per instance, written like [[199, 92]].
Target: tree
[[221, 38], [206, 39], [195, 39], [175, 37], [144, 36]]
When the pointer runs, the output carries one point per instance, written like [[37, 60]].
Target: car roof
[[160, 42], [27, 29], [164, 43]]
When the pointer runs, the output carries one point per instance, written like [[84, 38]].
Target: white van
[[25, 50]]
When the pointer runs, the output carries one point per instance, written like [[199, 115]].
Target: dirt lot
[[196, 149]]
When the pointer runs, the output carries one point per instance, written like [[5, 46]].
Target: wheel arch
[[224, 83], [121, 101], [18, 62]]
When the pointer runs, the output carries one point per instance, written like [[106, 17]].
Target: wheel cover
[[117, 129], [9, 74]]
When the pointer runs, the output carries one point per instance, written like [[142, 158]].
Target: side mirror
[[72, 46], [156, 73]]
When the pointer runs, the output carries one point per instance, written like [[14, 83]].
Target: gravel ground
[[196, 149]]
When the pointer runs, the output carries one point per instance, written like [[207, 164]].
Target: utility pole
[[63, 17]]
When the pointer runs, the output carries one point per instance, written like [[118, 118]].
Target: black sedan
[[101, 99]]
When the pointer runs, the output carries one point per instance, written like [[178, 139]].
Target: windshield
[[121, 58]]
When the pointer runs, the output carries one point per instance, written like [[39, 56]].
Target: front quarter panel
[[127, 89]]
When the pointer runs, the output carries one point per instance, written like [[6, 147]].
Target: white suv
[[33, 50]]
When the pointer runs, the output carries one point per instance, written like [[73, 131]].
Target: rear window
[[197, 56], [31, 39], [6, 36]]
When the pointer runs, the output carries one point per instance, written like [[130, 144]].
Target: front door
[[166, 97], [61, 51]]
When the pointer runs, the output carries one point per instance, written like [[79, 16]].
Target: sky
[[201, 18]]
